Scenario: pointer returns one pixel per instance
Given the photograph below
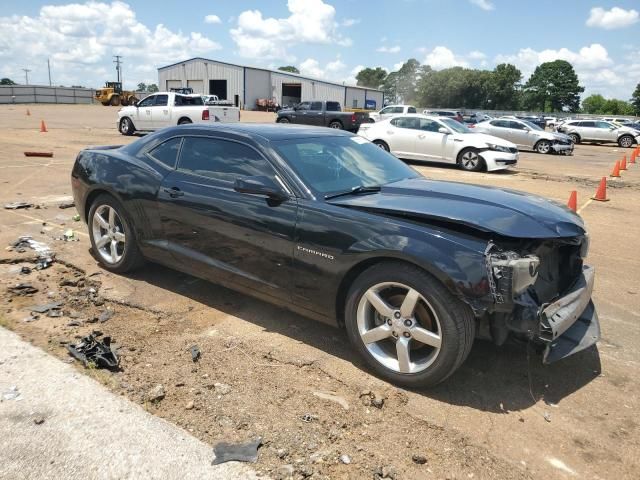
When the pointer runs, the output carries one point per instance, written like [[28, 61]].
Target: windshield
[[455, 125], [335, 164], [532, 126]]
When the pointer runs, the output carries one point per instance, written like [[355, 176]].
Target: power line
[[26, 75], [118, 61]]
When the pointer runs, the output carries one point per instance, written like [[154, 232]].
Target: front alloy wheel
[[108, 234], [626, 141], [543, 146], [471, 161]]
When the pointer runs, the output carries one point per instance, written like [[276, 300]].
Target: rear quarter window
[[333, 107]]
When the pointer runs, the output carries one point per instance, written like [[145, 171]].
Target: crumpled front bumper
[[562, 147], [570, 324]]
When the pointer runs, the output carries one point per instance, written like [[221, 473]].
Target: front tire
[[407, 326], [625, 141], [335, 125], [543, 147], [470, 160], [126, 126], [113, 241], [382, 144], [575, 138], [283, 120], [115, 101]]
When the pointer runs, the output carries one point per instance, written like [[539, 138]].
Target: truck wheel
[[126, 126], [115, 101], [106, 104], [625, 141], [184, 121], [408, 327], [283, 120], [336, 124]]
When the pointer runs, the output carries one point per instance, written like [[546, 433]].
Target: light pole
[[26, 75]]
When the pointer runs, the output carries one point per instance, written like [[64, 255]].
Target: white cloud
[[212, 19], [476, 55], [441, 57], [385, 49], [611, 19], [80, 40], [310, 21], [350, 22], [483, 4]]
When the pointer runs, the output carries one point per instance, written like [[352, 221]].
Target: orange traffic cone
[[632, 158], [623, 163], [573, 201], [28, 112], [616, 170], [601, 193], [43, 126]]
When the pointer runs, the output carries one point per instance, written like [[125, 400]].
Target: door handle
[[421, 136], [174, 192], [389, 132]]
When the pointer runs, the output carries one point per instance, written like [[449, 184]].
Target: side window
[[397, 110], [411, 110], [161, 100], [516, 125], [316, 106], [147, 102], [500, 123], [167, 152], [406, 122], [603, 125], [333, 107], [303, 106], [588, 124], [221, 159], [385, 110], [429, 125]]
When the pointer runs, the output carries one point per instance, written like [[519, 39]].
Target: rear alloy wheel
[[382, 145], [126, 126], [543, 146], [409, 328], [335, 124], [113, 241], [626, 141], [471, 160], [574, 138]]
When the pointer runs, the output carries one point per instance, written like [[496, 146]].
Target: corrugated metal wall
[[377, 96], [205, 71], [310, 89], [355, 98], [258, 85], [38, 94]]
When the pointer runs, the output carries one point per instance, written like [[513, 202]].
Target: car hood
[[559, 136], [486, 138], [633, 131], [489, 209]]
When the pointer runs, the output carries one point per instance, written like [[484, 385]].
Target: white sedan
[[440, 139]]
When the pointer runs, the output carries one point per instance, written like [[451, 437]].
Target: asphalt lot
[[502, 415]]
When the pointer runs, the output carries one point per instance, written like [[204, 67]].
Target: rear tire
[[283, 120], [184, 121], [436, 315], [115, 101], [336, 125], [470, 160], [113, 227], [126, 126], [575, 138], [382, 144], [625, 141]]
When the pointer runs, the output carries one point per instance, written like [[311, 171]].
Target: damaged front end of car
[[542, 293]]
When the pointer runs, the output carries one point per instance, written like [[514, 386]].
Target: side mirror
[[260, 185], [443, 130]]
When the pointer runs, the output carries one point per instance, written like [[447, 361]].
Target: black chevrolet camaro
[[326, 224]]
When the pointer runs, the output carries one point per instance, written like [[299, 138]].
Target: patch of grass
[[6, 323], [103, 376]]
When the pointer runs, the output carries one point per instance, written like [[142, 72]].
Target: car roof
[[268, 131]]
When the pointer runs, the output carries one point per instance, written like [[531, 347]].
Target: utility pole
[[26, 75], [118, 63], [49, 69]]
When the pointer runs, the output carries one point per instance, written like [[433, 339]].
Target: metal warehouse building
[[244, 85]]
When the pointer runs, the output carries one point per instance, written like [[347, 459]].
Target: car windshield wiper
[[355, 191]]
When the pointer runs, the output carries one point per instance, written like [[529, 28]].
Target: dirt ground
[[268, 373]]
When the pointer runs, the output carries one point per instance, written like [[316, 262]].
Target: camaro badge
[[315, 252]]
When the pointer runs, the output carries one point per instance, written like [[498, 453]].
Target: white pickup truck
[[391, 111], [168, 108]]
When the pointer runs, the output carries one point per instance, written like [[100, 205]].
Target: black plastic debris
[[43, 263], [90, 350], [195, 353], [238, 452], [67, 205], [17, 205], [22, 289], [25, 270], [44, 308]]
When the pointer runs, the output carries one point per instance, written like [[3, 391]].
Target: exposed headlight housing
[[510, 274], [584, 246], [498, 148]]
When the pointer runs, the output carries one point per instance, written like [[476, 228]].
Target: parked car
[[214, 100], [168, 108], [327, 224], [391, 111], [440, 139], [550, 122], [599, 131], [619, 121], [445, 113], [526, 135], [326, 114]]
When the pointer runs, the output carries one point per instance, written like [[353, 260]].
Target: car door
[[230, 237], [520, 134], [606, 131], [430, 143], [142, 119], [400, 135], [299, 114], [315, 114], [160, 116], [588, 131]]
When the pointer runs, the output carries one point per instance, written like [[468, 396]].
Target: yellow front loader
[[112, 94]]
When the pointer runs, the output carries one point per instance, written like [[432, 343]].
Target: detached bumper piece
[[570, 324]]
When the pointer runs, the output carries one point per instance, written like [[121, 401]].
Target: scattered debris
[[307, 417], [67, 204], [332, 397], [76, 218], [372, 398], [45, 308], [74, 323], [38, 154], [105, 315], [69, 236], [12, 394], [222, 388], [17, 205], [156, 394], [239, 452], [26, 241], [38, 420], [54, 313], [282, 452], [189, 405], [23, 289], [346, 459], [43, 263], [195, 353], [285, 471], [92, 351], [386, 471], [25, 270], [419, 459], [547, 416]]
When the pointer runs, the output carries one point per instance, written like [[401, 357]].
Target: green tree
[[599, 105], [152, 88], [553, 87], [7, 81], [407, 81], [289, 68], [390, 88], [504, 87], [142, 87], [594, 104], [635, 100], [371, 77], [618, 107]]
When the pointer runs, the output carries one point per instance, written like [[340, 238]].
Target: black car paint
[[350, 121], [302, 253]]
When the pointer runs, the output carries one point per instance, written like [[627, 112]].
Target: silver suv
[[599, 131], [526, 135]]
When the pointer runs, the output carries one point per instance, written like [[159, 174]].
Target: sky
[[331, 39]]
